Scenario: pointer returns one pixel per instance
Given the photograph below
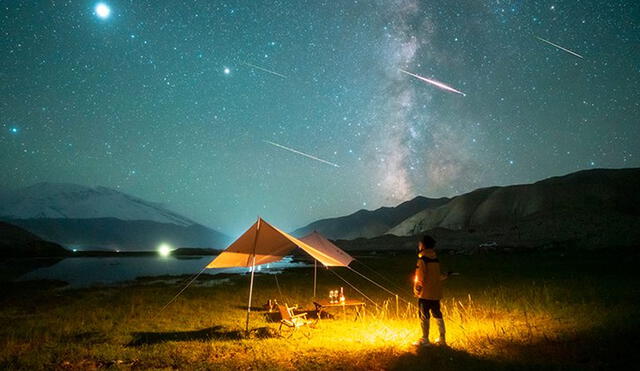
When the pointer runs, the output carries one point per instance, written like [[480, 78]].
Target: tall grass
[[502, 312]]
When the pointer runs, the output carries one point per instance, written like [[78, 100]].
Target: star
[[102, 10], [190, 118]]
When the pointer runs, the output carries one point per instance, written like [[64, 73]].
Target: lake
[[93, 271]]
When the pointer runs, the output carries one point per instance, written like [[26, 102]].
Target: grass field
[[505, 311]]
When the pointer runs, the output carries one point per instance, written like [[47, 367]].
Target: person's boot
[[441, 340], [424, 340]]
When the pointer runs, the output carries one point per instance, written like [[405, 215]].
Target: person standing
[[427, 287]]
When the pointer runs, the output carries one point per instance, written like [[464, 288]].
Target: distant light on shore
[[164, 250]]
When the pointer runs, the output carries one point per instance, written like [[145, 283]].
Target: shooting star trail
[[559, 47], [301, 153], [265, 70], [434, 82]]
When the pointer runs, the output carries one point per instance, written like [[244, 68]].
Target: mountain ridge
[[586, 190], [369, 223], [18, 242], [68, 200], [591, 207], [100, 217]]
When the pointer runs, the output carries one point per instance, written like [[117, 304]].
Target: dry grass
[[517, 311]]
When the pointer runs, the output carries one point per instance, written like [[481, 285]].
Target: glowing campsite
[[262, 243], [439, 185], [511, 317]]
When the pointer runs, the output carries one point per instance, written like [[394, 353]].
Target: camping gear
[[291, 320], [359, 306], [263, 243], [336, 297], [271, 305], [318, 241], [332, 296]]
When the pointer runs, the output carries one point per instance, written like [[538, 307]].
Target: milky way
[[173, 101], [417, 149]]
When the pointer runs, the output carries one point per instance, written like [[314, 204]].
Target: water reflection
[[91, 271]]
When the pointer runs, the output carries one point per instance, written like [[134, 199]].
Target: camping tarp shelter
[[263, 243], [319, 242], [269, 244]]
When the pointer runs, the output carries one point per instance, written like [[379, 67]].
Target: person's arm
[[447, 275], [418, 280]]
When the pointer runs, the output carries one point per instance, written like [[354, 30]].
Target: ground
[[544, 310]]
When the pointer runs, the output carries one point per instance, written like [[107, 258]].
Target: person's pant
[[424, 307]]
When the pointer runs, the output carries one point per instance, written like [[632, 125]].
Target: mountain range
[[590, 208], [366, 223], [84, 217], [16, 242]]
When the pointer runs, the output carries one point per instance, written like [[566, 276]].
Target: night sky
[[159, 99]]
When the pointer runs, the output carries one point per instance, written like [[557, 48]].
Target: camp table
[[324, 304]]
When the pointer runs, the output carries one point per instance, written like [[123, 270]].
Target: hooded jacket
[[427, 283]]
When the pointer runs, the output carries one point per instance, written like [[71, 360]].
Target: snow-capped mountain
[[98, 217], [72, 201]]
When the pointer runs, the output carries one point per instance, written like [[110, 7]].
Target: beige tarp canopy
[[268, 244], [320, 243]]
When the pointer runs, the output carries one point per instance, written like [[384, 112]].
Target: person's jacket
[[427, 283]]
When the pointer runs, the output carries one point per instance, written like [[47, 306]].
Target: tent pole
[[315, 273], [253, 270]]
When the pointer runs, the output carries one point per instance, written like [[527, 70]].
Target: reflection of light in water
[[273, 268], [88, 271]]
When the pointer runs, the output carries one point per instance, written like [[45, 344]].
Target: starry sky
[[177, 101]]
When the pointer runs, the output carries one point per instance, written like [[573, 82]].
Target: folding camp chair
[[291, 320]]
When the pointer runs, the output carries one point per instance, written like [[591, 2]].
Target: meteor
[[434, 82], [301, 153], [559, 47], [265, 70]]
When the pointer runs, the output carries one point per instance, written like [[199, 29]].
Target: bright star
[[13, 130], [103, 11], [227, 71]]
